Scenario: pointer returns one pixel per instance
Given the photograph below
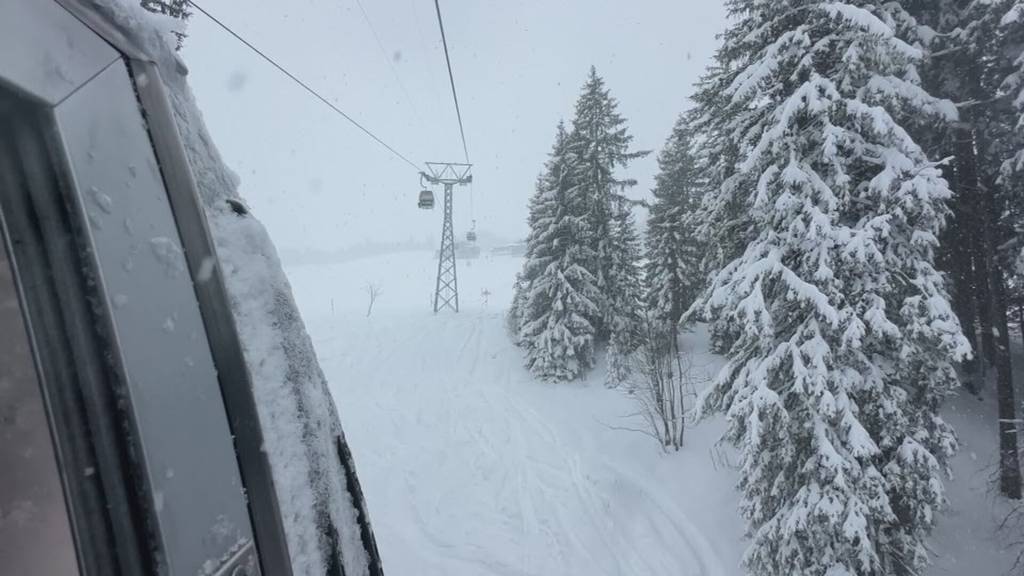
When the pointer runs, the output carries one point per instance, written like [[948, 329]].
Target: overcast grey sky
[[317, 182]]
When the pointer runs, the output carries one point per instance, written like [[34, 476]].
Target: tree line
[[841, 205]]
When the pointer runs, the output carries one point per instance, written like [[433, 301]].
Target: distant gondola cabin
[[426, 200]]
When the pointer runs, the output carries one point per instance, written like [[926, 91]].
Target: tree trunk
[[973, 217], [983, 292], [1009, 463], [1020, 322], [957, 257], [999, 334]]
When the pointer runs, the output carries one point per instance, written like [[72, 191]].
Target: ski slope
[[470, 467]]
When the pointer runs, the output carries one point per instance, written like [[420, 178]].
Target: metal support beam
[[446, 290], [446, 294]]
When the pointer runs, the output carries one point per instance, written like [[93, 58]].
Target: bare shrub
[[373, 291], [662, 384]]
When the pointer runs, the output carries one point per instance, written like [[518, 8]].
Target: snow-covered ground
[[471, 467], [967, 540]]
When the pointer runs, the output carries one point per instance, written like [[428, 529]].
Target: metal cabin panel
[[172, 382], [47, 53], [226, 347]]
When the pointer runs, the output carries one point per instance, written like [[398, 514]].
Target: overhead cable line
[[305, 86], [391, 65], [426, 48], [451, 78]]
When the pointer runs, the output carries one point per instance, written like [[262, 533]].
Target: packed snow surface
[[471, 467]]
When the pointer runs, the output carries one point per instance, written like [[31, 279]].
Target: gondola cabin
[[132, 437], [426, 201]]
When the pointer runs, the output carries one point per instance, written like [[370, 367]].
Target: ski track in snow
[[472, 467], [501, 492]]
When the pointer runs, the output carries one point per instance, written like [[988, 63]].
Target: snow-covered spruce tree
[[1010, 40], [559, 292], [626, 322], [722, 222], [673, 269], [845, 342], [514, 316], [969, 64], [513, 320], [600, 142], [173, 8], [952, 71], [1006, 235]]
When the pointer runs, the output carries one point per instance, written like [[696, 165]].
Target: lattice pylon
[[446, 294]]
